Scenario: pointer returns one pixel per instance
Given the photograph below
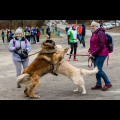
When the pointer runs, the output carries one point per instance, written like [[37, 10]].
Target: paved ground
[[60, 87]]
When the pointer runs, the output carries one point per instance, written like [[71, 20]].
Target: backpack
[[109, 43], [79, 30]]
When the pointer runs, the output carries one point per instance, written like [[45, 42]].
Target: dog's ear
[[65, 50]]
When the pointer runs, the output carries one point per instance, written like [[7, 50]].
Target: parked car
[[118, 21], [113, 23], [107, 25]]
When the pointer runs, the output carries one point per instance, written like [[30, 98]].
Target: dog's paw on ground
[[83, 93], [35, 97], [76, 90]]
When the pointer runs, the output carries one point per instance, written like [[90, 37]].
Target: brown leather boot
[[107, 86], [97, 87]]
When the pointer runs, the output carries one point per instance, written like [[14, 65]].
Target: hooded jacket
[[98, 42], [19, 44]]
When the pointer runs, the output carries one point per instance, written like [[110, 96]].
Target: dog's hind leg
[[32, 87], [80, 83], [84, 90]]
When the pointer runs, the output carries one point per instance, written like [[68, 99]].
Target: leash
[[79, 54], [90, 60], [33, 53]]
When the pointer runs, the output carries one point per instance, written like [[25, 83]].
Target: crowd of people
[[32, 34]]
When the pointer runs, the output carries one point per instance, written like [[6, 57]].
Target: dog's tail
[[89, 72], [23, 78]]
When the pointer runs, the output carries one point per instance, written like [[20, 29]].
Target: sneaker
[[69, 59], [18, 85], [82, 47], [107, 86], [75, 59], [97, 87]]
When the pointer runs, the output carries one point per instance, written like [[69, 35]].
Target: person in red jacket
[[98, 51]]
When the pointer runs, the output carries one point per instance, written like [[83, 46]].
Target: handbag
[[23, 54]]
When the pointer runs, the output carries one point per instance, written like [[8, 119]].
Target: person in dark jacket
[[83, 34], [98, 51], [27, 34], [48, 32], [7, 33], [11, 35], [3, 35], [33, 35], [38, 35]]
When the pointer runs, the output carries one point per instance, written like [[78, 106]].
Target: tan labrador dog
[[75, 74]]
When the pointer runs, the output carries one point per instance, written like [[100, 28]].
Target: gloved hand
[[17, 49]]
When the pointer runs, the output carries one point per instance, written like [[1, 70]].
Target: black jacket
[[83, 30]]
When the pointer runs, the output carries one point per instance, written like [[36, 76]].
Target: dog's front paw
[[76, 90], [35, 97], [55, 74]]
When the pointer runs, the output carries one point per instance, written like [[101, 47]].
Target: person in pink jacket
[[99, 52]]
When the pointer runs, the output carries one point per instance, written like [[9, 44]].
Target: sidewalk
[[88, 32]]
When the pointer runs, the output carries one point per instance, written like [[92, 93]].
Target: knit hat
[[19, 31], [74, 26], [95, 24]]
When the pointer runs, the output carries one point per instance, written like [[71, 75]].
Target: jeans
[[33, 40], [79, 37], [83, 40], [99, 61]]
